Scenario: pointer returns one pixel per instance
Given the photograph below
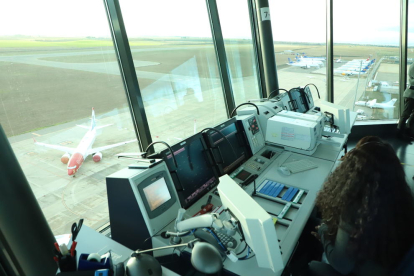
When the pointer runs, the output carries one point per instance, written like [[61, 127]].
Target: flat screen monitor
[[227, 159], [195, 174], [257, 225]]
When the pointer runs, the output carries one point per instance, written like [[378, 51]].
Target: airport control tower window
[[57, 62], [299, 35], [366, 54], [180, 83], [237, 34], [410, 49]]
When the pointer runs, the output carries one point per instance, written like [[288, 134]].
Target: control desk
[[281, 182], [265, 164]]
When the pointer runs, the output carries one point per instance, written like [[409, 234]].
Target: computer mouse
[[143, 265], [284, 170]]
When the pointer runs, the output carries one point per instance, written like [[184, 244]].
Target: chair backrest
[[406, 267]]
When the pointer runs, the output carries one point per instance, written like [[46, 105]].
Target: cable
[[250, 257], [225, 138], [143, 244], [269, 97], [247, 256], [217, 238], [258, 113], [162, 142], [315, 87], [243, 249]]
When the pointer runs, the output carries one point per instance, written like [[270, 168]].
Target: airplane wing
[[56, 147], [99, 127], [91, 151], [86, 127]]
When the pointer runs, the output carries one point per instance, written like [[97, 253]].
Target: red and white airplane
[[84, 148]]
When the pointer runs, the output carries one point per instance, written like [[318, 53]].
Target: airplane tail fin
[[391, 103], [93, 123]]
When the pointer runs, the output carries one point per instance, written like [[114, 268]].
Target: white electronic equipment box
[[253, 131], [293, 134], [341, 117], [141, 202], [319, 120]]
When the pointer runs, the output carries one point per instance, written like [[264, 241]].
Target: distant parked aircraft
[[374, 104], [338, 60], [304, 64], [349, 72], [84, 148], [304, 56]]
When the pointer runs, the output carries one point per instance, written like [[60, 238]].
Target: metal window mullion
[[256, 48], [222, 63], [267, 49], [403, 51], [329, 52], [127, 70]]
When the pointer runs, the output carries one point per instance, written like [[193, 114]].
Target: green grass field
[[76, 43]]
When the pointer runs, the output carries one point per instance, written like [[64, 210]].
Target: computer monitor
[[139, 198], [26, 240], [228, 154], [195, 174], [257, 225]]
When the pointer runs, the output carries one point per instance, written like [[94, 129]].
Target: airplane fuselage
[[81, 152]]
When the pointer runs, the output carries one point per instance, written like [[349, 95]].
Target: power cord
[[270, 95], [247, 256], [161, 142], [315, 87], [225, 138], [217, 238], [232, 113]]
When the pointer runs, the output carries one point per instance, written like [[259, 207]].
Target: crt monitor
[[228, 154], [195, 174], [139, 198], [257, 225]]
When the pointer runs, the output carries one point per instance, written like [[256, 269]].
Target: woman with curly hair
[[368, 213]]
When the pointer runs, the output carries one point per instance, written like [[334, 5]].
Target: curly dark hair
[[368, 191]]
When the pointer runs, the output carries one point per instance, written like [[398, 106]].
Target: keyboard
[[274, 189], [300, 165], [228, 241], [330, 129]]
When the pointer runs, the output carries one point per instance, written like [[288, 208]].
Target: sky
[[355, 21]]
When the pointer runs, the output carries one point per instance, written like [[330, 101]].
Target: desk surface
[[288, 231], [90, 241]]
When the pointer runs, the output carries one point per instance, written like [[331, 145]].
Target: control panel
[[253, 131], [253, 167]]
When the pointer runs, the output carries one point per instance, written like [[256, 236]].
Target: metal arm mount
[[189, 244]]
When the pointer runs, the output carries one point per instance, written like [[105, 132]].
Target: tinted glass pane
[[54, 70], [366, 49], [237, 34], [299, 34], [178, 78]]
